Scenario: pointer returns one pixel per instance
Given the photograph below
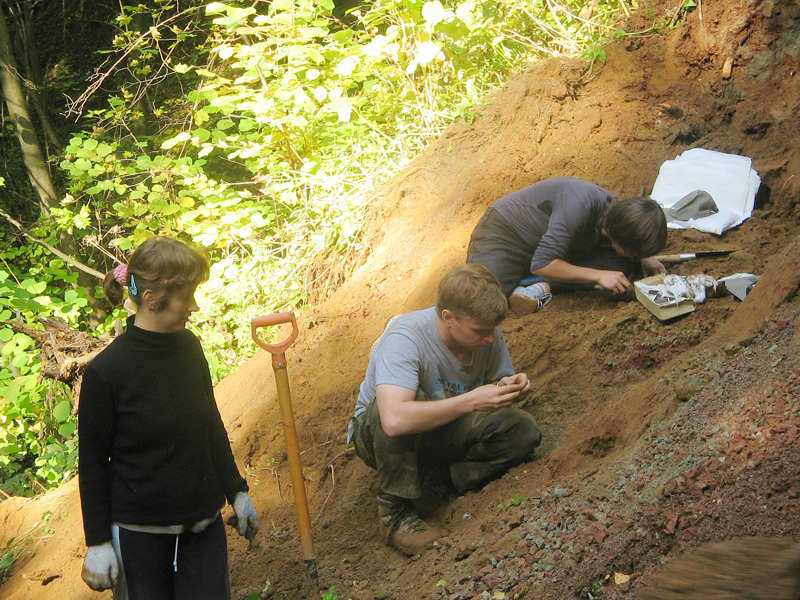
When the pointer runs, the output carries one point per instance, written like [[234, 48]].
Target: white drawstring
[[175, 560]]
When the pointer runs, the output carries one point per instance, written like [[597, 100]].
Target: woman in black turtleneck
[[156, 466]]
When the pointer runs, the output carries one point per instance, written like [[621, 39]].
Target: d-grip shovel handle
[[278, 349], [292, 450]]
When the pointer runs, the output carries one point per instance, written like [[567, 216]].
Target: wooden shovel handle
[[673, 258]]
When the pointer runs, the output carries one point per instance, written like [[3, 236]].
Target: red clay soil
[[659, 436]]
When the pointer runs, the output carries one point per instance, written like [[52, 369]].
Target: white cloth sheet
[[729, 178]]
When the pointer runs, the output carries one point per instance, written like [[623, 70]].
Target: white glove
[[100, 567], [246, 515]]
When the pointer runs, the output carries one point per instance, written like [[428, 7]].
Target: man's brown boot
[[402, 528]]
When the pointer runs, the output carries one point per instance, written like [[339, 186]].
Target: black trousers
[[199, 573], [495, 245]]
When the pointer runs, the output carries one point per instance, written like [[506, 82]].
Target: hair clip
[[132, 287]]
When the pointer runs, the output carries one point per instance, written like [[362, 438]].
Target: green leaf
[[20, 361], [170, 209], [314, 54], [66, 430], [82, 164], [201, 134], [34, 287], [103, 150], [62, 410], [309, 33], [201, 117]]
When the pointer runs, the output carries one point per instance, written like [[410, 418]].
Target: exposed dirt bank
[[658, 436]]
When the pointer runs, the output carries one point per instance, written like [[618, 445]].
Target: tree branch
[[55, 251], [76, 107]]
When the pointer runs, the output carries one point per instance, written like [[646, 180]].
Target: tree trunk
[[18, 109], [34, 158], [35, 75]]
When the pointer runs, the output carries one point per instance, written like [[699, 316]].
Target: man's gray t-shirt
[[561, 217], [412, 354]]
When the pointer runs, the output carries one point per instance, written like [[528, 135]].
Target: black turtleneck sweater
[[153, 449]]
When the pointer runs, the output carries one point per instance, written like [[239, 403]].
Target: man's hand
[[518, 379], [614, 281], [246, 515], [507, 391], [402, 414], [100, 567], [651, 266]]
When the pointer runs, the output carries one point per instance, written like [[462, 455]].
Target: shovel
[[287, 416], [679, 258]]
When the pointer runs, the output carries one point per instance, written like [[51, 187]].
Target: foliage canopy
[[257, 131]]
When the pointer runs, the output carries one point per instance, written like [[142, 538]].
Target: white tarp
[[729, 178]]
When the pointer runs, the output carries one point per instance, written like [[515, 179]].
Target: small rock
[[561, 492], [727, 68], [745, 342], [731, 349]]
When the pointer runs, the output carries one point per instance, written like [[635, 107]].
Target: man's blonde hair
[[472, 291]]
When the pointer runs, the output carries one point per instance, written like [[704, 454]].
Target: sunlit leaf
[[433, 12], [344, 110], [465, 13], [347, 65], [181, 137], [320, 93], [215, 8], [427, 52]]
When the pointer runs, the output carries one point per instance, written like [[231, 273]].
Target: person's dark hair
[[472, 291], [638, 225], [160, 264]]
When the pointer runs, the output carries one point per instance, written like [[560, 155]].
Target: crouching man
[[437, 397]]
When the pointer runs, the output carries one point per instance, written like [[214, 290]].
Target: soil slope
[[659, 437]]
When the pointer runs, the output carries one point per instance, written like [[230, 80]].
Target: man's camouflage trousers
[[475, 449]]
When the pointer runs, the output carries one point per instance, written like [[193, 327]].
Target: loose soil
[[660, 437]]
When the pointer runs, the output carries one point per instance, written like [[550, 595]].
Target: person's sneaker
[[402, 528], [527, 300]]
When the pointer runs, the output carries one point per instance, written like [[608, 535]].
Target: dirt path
[[659, 436]]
